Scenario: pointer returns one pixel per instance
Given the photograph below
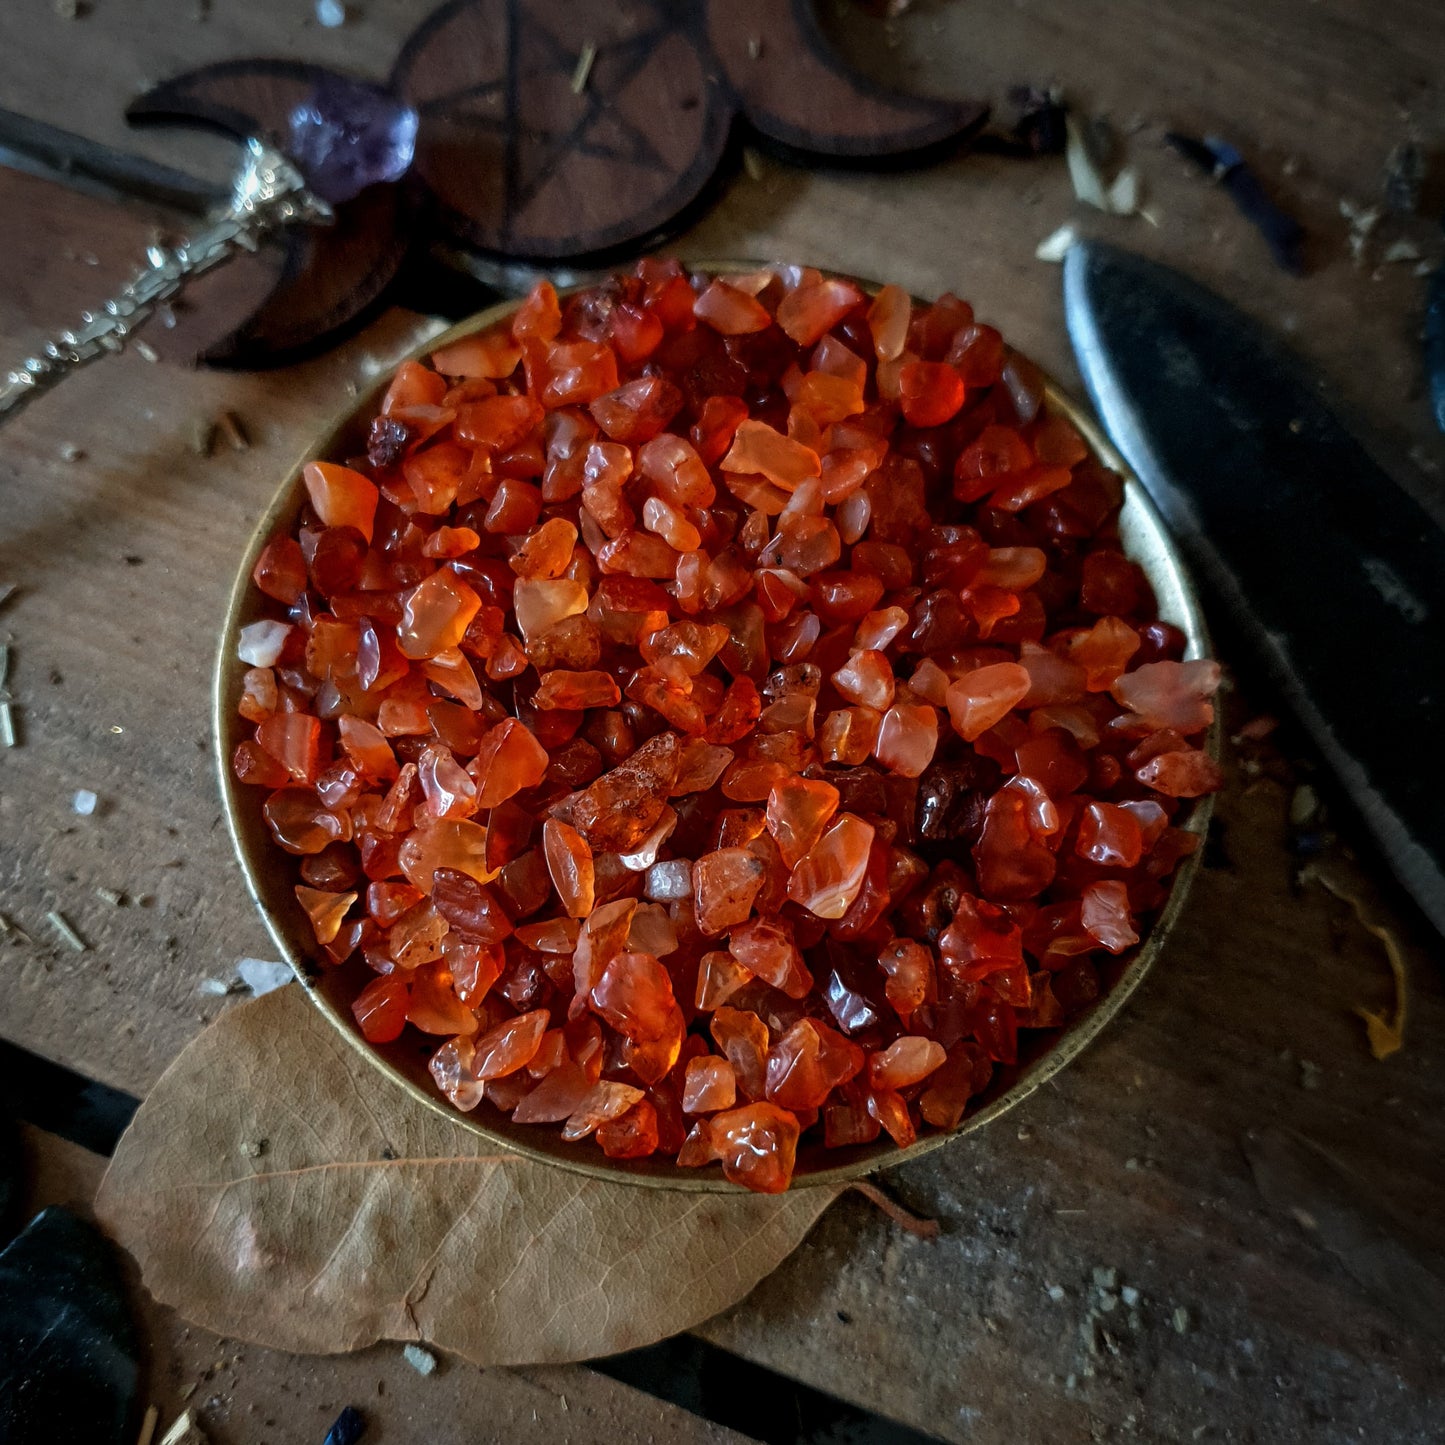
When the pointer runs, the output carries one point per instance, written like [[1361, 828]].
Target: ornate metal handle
[[268, 192]]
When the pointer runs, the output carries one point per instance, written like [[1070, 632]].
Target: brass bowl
[[268, 871]]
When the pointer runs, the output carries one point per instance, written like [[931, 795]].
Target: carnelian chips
[[718, 711]]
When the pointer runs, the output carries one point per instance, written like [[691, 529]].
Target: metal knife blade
[[1333, 573]]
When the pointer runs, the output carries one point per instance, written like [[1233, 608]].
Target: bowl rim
[[1146, 541]]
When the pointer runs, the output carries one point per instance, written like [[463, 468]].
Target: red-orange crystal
[[720, 712]]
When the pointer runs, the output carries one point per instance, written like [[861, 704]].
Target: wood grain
[[962, 1337]]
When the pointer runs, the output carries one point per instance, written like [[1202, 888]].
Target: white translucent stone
[[260, 644], [260, 975]]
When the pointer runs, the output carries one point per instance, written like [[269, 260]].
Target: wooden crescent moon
[[791, 87]]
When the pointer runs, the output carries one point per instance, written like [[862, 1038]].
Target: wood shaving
[[1055, 246], [584, 69], [1386, 1035], [148, 1426], [184, 1431], [228, 424], [61, 925], [1092, 185]]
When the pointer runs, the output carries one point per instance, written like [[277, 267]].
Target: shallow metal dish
[[268, 871]]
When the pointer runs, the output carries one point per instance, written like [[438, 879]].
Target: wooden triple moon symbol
[[555, 130], [526, 163]]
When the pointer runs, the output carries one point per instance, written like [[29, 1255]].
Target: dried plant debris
[[68, 935], [1055, 246], [1362, 220], [585, 60], [184, 1431], [1033, 124], [231, 429], [1404, 179], [1386, 1033], [1222, 161], [1087, 150]]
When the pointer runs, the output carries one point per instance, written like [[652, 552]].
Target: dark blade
[[1332, 572]]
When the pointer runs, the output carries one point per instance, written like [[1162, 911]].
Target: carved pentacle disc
[[560, 128]]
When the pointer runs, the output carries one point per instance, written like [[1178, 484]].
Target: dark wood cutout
[[793, 89], [518, 158], [332, 277], [524, 166]]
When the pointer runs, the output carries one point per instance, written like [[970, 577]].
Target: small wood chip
[[113, 896], [584, 69], [230, 427], [185, 1431], [148, 1426], [9, 926], [61, 925], [203, 437], [147, 352]]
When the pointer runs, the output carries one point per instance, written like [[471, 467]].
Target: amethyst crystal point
[[347, 135]]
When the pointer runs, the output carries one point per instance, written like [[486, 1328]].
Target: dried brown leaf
[[1386, 1035], [369, 1217]]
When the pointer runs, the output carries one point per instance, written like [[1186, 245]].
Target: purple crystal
[[347, 135]]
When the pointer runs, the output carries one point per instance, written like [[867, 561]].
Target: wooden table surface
[[1244, 1328]]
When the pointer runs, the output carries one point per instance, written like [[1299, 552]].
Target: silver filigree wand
[[268, 193]]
